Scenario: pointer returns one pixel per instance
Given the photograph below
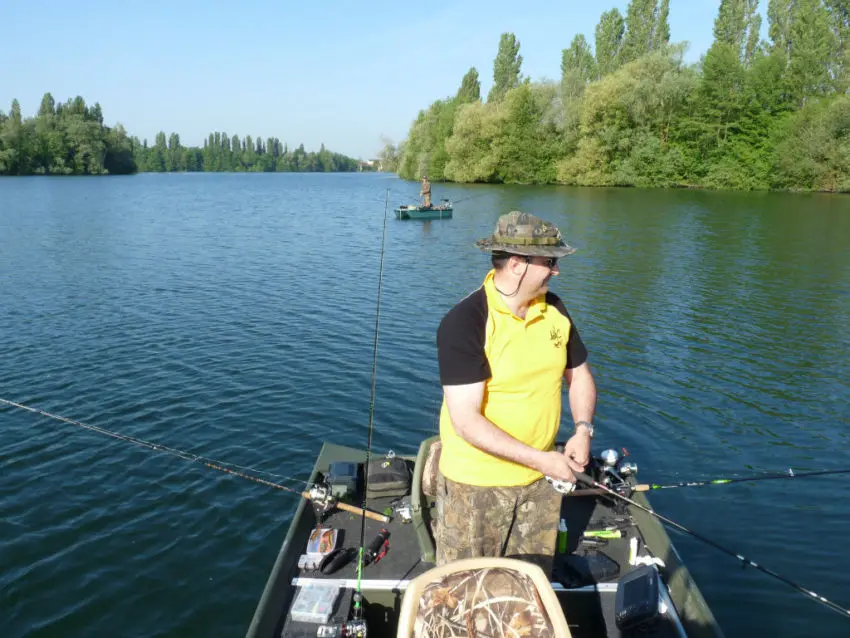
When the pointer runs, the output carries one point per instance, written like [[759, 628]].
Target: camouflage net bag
[[431, 469], [482, 603]]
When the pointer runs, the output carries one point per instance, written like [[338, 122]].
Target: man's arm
[[582, 406], [464, 404], [582, 392]]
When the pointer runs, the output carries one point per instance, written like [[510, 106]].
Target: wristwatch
[[586, 424]]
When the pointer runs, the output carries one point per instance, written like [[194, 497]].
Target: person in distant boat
[[504, 352], [426, 192]]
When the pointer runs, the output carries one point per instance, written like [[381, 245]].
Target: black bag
[[387, 477]]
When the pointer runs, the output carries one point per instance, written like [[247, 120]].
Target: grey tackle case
[[387, 476]]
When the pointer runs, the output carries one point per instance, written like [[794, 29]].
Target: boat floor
[[588, 602]]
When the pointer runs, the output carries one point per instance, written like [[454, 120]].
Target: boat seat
[[482, 597], [422, 496]]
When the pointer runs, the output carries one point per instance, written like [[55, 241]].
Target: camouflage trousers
[[517, 522]]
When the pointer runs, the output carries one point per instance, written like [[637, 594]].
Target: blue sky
[[336, 72]]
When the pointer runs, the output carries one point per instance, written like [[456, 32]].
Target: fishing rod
[[318, 494], [357, 626], [647, 487], [584, 478], [453, 201], [463, 199]]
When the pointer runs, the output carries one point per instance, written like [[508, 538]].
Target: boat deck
[[584, 577], [588, 601]]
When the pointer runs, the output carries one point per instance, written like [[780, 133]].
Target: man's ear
[[518, 264]]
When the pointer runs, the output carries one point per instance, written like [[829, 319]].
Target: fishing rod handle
[[584, 478], [367, 513], [356, 510]]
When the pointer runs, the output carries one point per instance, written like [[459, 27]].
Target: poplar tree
[[738, 24], [812, 51], [609, 41], [640, 26], [506, 67], [470, 88]]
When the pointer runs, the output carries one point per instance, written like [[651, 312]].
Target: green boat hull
[[416, 212]]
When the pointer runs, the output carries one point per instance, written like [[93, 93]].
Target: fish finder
[[636, 603]]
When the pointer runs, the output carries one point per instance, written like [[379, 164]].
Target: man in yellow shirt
[[504, 352]]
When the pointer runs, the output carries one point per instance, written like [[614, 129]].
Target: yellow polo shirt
[[522, 362]]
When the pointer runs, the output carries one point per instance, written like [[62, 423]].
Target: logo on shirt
[[557, 337]]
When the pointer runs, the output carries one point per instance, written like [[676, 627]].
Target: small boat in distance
[[443, 210]]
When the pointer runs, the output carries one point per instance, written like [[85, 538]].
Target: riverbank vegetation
[[71, 139], [751, 114]]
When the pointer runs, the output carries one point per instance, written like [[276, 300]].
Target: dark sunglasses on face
[[548, 262]]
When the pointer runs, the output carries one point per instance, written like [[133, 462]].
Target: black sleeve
[[460, 342], [576, 352]]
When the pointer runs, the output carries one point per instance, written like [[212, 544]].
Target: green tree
[[506, 67], [779, 25], [815, 151], [731, 24], [839, 12], [629, 125], [236, 154], [642, 24], [157, 155], [578, 66], [388, 155], [609, 41], [813, 50], [661, 32], [174, 155], [525, 153], [48, 106], [470, 88], [249, 156], [13, 158], [472, 154], [119, 158], [754, 34], [425, 152]]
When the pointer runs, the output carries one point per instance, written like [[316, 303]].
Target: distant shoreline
[[70, 139]]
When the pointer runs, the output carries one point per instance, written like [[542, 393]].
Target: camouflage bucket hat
[[525, 234]]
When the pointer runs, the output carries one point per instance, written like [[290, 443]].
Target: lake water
[[233, 316]]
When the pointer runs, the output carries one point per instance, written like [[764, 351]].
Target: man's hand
[[577, 450], [555, 465]]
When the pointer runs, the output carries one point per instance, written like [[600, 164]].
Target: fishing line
[[644, 487], [584, 478], [358, 610], [221, 466], [463, 199]]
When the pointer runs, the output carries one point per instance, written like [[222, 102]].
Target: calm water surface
[[233, 316]]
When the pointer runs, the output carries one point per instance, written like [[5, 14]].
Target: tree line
[[70, 139], [751, 114]]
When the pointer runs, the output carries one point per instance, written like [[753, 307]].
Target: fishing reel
[[350, 629], [322, 500], [612, 471], [562, 487]]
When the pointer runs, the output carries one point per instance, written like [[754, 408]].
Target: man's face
[[540, 271]]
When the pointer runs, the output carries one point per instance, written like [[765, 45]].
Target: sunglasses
[[548, 262]]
